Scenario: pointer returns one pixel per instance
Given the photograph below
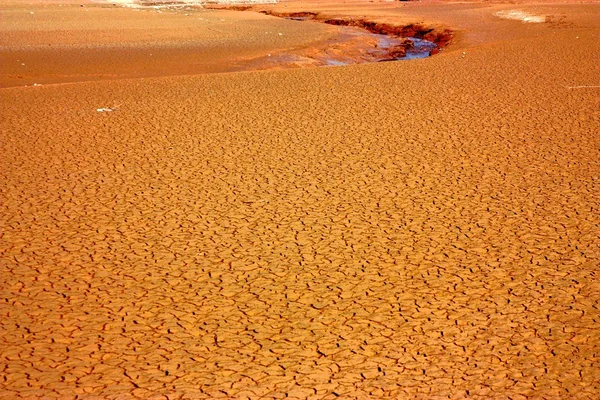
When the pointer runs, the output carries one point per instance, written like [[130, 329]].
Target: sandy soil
[[422, 229], [53, 43]]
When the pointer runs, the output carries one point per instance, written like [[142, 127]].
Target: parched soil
[[423, 230]]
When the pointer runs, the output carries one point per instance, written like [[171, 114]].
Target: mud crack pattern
[[355, 232]]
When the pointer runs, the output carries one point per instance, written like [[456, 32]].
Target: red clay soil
[[427, 229]]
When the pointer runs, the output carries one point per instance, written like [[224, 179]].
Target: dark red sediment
[[441, 37]]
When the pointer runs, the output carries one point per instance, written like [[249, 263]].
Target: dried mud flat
[[424, 229]]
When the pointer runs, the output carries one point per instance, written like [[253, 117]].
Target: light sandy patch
[[122, 3], [521, 16], [179, 3]]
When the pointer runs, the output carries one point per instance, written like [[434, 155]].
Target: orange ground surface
[[423, 229]]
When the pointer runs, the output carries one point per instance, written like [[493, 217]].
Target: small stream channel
[[381, 47]]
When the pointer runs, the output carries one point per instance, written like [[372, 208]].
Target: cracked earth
[[427, 229]]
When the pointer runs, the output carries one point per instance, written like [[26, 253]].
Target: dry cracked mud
[[425, 229]]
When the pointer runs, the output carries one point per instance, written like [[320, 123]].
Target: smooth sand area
[[424, 229], [52, 43]]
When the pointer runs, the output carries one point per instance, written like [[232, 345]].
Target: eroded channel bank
[[440, 37]]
